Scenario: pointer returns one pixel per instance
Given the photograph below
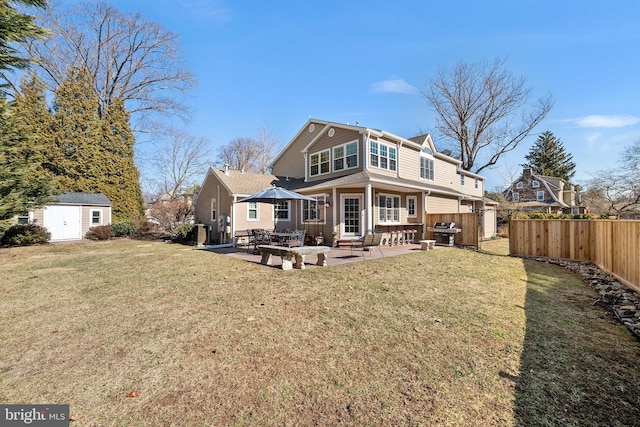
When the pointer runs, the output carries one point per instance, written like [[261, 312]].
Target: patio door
[[351, 223]]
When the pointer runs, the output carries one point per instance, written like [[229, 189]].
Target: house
[[361, 179], [70, 215], [537, 193]]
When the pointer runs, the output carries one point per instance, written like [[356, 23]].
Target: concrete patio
[[343, 255]]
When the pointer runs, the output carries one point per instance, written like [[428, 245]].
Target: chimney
[[226, 169], [526, 172]]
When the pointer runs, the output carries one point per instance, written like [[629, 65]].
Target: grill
[[444, 232]]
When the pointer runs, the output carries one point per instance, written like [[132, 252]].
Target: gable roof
[[98, 199]]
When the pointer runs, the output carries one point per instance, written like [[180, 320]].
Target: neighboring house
[[546, 194], [71, 215], [362, 179]]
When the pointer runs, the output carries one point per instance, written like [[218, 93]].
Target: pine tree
[[548, 157], [121, 175], [76, 135], [94, 154], [22, 185]]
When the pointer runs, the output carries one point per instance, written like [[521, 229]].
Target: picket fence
[[613, 245]]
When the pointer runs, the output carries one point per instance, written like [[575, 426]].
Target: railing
[[613, 245]]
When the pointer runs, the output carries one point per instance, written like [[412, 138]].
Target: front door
[[352, 216]]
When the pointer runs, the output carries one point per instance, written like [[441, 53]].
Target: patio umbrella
[[274, 195]]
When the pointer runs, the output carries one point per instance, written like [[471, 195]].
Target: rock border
[[624, 302]]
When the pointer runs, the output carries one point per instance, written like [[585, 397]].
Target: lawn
[[133, 333]]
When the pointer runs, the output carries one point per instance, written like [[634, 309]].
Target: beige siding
[[440, 204], [325, 142], [86, 215], [208, 191], [409, 163], [291, 161]]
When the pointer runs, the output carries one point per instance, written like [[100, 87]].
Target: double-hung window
[[427, 164], [252, 211], [213, 210], [516, 197], [345, 156], [462, 180], [383, 156], [540, 196], [389, 209], [281, 210], [96, 217], [320, 163]]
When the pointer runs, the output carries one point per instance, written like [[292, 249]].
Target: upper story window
[[213, 209], [462, 179], [475, 183], [281, 210], [516, 197], [345, 156], [535, 184], [540, 196], [519, 185], [320, 163], [427, 164], [313, 210], [383, 156]]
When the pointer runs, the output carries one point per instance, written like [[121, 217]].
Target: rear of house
[[362, 179]]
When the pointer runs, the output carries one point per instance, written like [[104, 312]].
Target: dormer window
[[519, 185], [535, 184]]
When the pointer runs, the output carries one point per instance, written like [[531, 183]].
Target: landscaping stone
[[624, 302]]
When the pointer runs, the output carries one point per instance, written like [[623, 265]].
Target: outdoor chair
[[368, 242], [260, 237]]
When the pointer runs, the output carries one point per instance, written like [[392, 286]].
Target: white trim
[[100, 217], [257, 209], [415, 206]]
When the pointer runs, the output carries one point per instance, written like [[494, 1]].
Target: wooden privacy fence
[[468, 222], [613, 245]]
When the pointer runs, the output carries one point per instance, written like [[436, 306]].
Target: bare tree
[[483, 111], [128, 57], [178, 159], [250, 154], [617, 191]]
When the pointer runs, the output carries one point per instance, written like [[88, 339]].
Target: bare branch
[[476, 105]]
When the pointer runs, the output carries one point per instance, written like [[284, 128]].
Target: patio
[[342, 255]]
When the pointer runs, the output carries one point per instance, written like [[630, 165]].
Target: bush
[[100, 232], [184, 233], [123, 229], [25, 234]]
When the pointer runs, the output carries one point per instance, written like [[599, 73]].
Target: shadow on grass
[[578, 366]]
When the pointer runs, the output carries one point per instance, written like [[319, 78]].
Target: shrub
[[100, 232], [122, 229], [184, 233], [25, 234]]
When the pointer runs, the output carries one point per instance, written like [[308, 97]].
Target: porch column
[[368, 208]]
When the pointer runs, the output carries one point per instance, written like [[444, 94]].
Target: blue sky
[[277, 63]]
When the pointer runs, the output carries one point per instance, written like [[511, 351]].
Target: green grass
[[447, 337]]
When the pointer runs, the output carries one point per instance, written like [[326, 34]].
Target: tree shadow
[[578, 365]]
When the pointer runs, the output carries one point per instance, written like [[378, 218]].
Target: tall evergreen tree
[[548, 157], [93, 154], [16, 27], [22, 185], [121, 175]]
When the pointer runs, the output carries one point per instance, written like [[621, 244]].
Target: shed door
[[63, 222]]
